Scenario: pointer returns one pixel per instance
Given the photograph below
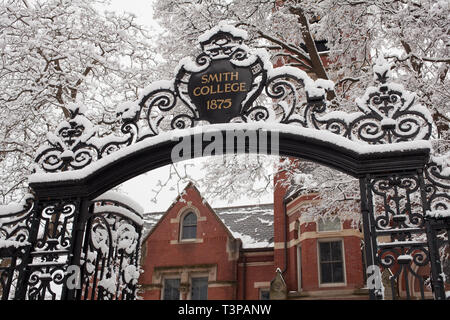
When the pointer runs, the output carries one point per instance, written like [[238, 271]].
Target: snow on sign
[[219, 91], [224, 80]]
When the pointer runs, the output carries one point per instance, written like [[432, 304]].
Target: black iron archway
[[69, 243]]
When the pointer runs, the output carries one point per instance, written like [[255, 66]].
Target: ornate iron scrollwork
[[387, 112], [410, 227], [15, 226], [75, 143], [437, 207], [437, 184], [398, 231], [269, 95], [399, 205], [15, 231], [50, 252], [110, 255]]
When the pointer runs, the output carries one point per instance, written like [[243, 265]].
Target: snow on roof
[[253, 224], [150, 220]]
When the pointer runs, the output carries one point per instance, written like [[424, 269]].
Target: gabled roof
[[253, 224]]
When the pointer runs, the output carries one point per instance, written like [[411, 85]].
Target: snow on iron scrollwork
[[437, 186], [387, 112], [50, 250], [110, 259], [437, 217], [274, 95], [75, 143], [412, 211], [15, 223]]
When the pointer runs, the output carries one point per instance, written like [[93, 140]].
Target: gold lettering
[[234, 75], [204, 92], [228, 102], [220, 87], [213, 77], [213, 104], [226, 75]]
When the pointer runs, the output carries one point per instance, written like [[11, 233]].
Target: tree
[[58, 52], [411, 35]]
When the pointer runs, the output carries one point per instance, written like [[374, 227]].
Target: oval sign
[[219, 90]]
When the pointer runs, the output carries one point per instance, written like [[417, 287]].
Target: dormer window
[[189, 226]]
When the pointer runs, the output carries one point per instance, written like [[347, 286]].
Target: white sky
[[142, 9], [140, 188]]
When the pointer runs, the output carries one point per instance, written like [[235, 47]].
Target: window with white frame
[[327, 224], [171, 289], [331, 262], [189, 226], [199, 288]]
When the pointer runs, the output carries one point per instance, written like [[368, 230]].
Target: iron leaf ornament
[[388, 114], [75, 143]]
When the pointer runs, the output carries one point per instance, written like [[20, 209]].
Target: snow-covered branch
[[54, 53]]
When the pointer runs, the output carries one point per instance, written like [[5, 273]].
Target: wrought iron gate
[[72, 249], [402, 219], [68, 244]]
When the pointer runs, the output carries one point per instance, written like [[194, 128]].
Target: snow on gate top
[[283, 99]]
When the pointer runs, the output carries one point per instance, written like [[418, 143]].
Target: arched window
[[189, 226]]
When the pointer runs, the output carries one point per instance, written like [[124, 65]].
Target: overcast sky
[[141, 8], [140, 188]]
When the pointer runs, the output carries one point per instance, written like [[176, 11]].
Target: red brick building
[[193, 251]]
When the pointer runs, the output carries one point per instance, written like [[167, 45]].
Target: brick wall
[[214, 253]]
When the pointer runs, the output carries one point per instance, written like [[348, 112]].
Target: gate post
[[437, 282], [76, 250], [48, 255], [393, 207], [22, 281], [435, 188], [370, 244]]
